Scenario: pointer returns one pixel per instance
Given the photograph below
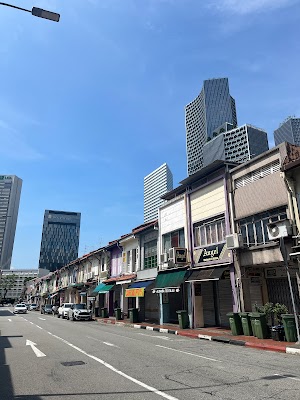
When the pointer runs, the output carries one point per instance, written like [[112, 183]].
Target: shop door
[[225, 300], [279, 292], [255, 294], [209, 314], [199, 318]]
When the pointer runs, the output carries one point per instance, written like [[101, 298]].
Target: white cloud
[[244, 7]]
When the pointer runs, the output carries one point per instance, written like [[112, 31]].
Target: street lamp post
[[37, 12]]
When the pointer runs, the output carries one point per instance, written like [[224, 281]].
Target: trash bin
[[289, 324], [235, 323], [104, 312], [183, 319], [246, 324], [133, 315], [259, 325], [277, 333], [118, 314]]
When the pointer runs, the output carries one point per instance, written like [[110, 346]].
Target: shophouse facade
[[196, 220], [262, 194]]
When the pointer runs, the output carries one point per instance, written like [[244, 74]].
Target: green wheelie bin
[[104, 312], [290, 330], [133, 315], [183, 319], [118, 314], [259, 325], [235, 323], [246, 323]]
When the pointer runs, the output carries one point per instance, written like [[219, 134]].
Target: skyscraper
[[238, 145], [288, 131], [211, 108], [10, 192], [159, 182], [60, 239]]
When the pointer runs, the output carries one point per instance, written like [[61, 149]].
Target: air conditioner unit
[[178, 255], [234, 241], [164, 258], [279, 229]]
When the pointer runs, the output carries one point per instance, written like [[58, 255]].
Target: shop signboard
[[215, 252], [166, 290], [280, 272], [91, 298], [135, 292]]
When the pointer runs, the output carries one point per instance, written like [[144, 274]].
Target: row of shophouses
[[210, 252]]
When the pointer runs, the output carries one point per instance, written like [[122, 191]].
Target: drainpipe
[[293, 206], [236, 259]]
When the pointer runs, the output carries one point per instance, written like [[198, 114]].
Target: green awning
[[101, 289], [169, 281]]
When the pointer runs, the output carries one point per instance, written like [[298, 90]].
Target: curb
[[220, 339]]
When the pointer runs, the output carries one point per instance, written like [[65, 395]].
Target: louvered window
[[258, 174]]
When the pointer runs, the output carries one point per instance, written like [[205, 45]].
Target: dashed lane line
[[190, 354]]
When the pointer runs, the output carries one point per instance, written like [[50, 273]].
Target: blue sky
[[92, 104]]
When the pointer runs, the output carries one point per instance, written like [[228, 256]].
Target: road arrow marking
[[36, 351], [43, 319]]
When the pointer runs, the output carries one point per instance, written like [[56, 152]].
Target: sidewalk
[[214, 333]]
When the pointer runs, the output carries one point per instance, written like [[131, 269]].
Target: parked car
[[33, 307], [20, 309], [63, 310], [79, 312], [46, 309]]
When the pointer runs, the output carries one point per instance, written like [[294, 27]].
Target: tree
[[7, 282]]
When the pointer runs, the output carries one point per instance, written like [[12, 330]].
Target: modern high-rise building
[[60, 239], [10, 192], [237, 145], [288, 131], [156, 184], [211, 108]]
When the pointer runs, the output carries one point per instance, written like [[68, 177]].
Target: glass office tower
[[289, 131], [10, 193], [60, 239], [211, 108]]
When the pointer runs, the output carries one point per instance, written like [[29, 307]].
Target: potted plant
[[278, 330]]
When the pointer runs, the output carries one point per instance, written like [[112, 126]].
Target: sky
[[92, 104]]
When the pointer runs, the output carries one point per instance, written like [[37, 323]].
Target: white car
[[20, 309], [33, 307], [79, 312], [63, 310]]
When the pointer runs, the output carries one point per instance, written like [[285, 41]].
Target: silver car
[[20, 309], [79, 312]]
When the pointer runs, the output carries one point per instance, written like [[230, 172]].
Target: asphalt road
[[88, 360]]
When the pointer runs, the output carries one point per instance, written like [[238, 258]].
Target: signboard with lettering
[[166, 290], [212, 253], [280, 272], [135, 292]]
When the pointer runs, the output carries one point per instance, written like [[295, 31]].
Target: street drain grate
[[71, 363]]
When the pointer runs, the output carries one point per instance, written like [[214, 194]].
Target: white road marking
[[36, 351], [130, 378], [39, 327], [43, 319], [9, 319], [110, 344], [288, 377], [190, 354], [31, 322], [156, 337]]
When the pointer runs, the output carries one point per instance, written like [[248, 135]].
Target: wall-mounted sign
[[280, 272], [3, 177], [212, 253], [166, 290], [180, 256], [91, 298], [136, 292]]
